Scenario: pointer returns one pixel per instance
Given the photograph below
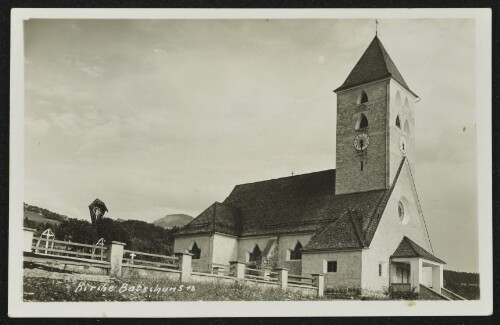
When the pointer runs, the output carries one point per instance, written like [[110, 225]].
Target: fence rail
[[298, 279], [64, 248], [148, 259], [259, 274], [114, 257]]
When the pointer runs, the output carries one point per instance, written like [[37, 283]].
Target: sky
[[156, 117]]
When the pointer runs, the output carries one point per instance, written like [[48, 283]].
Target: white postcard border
[[484, 306]]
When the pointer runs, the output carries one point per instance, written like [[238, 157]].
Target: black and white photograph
[[336, 158]]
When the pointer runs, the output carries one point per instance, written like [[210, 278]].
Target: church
[[361, 224]]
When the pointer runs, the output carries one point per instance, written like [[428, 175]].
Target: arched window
[[403, 210], [296, 254], [398, 100], [195, 251], [407, 127], [407, 105], [362, 122], [363, 97], [255, 255], [398, 122]]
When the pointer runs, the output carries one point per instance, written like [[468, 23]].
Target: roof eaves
[[347, 87]]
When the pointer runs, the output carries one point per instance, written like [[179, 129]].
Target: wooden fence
[[181, 266], [68, 249], [148, 259]]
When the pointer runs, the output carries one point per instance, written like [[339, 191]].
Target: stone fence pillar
[[319, 282], [238, 269], [283, 277], [115, 258], [28, 238], [185, 265], [216, 270]]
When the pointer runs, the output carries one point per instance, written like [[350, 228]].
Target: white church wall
[[391, 231], [203, 242], [226, 249], [426, 276], [286, 244], [348, 273], [246, 246]]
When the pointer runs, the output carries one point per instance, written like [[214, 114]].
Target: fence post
[[319, 282], [115, 257], [28, 238], [239, 269], [185, 265], [283, 277]]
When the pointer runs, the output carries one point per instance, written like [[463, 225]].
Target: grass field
[[46, 289], [33, 216]]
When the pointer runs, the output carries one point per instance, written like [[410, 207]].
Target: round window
[[403, 215], [401, 211]]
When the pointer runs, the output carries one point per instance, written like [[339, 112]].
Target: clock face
[[402, 144], [361, 141]]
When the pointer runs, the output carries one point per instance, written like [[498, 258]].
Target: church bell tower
[[375, 124]]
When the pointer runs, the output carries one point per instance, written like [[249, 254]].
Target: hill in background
[[173, 220], [137, 235], [41, 215]]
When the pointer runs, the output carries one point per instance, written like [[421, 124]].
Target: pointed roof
[[374, 64], [344, 233], [408, 248], [216, 218]]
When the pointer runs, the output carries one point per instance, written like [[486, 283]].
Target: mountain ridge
[[173, 220]]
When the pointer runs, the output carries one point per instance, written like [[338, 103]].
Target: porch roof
[[408, 248]]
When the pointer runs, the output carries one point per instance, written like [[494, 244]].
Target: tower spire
[[376, 27]]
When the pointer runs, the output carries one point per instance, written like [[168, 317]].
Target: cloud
[[37, 128]]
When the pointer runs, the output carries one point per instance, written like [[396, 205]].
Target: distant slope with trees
[[464, 284], [137, 235]]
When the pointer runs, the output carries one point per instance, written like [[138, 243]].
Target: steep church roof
[[374, 64], [408, 248], [343, 233], [216, 218], [297, 204]]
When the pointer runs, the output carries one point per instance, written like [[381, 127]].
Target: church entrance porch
[[406, 274]]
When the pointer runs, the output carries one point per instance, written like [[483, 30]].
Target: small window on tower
[[362, 122], [407, 127], [398, 100], [362, 166], [363, 98], [398, 122]]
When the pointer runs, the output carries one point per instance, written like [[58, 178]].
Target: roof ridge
[[285, 177], [382, 50], [328, 227], [410, 242], [388, 194], [420, 208], [353, 216]]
